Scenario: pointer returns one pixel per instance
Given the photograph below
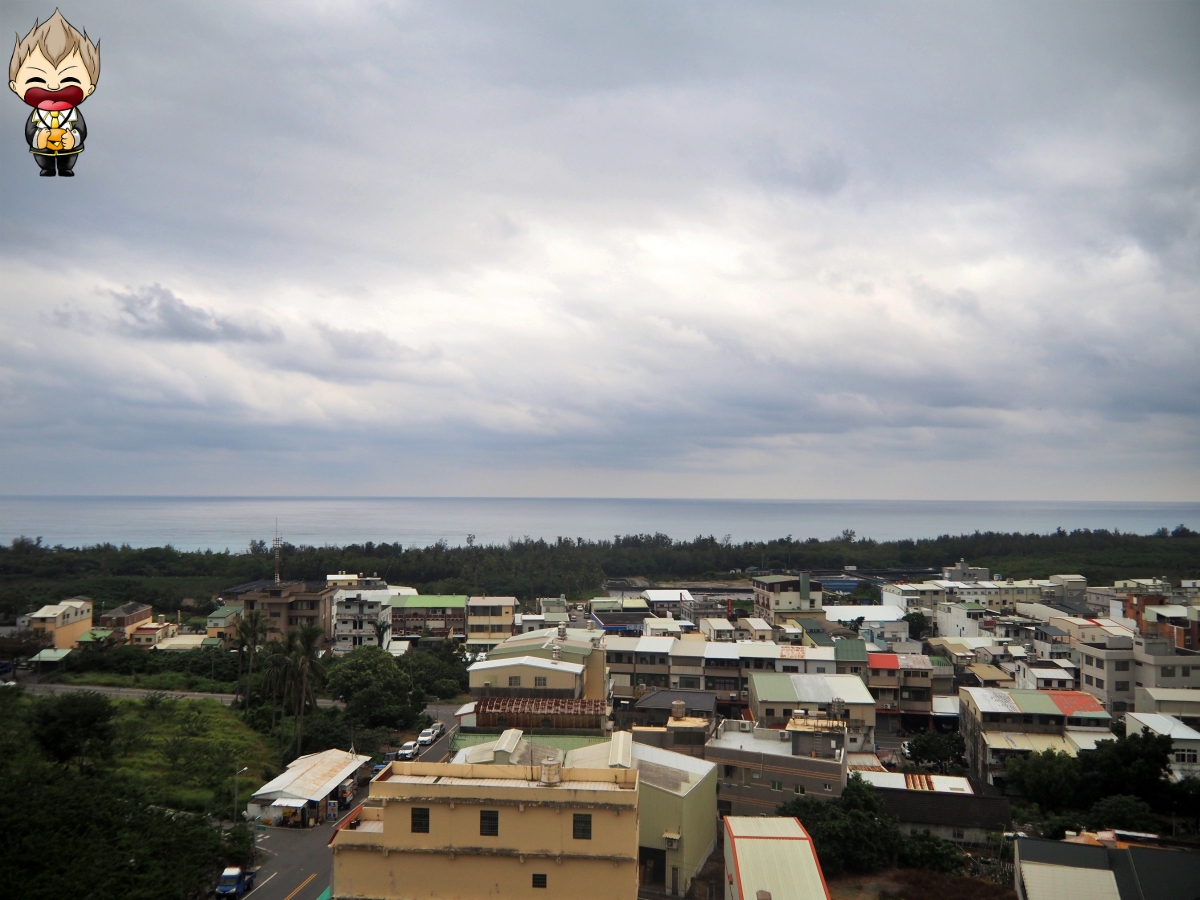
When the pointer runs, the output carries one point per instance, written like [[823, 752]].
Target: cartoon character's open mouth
[[66, 98]]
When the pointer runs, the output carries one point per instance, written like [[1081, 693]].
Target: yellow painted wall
[[693, 817], [555, 680], [65, 636]]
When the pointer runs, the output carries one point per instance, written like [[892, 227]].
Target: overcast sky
[[616, 249]]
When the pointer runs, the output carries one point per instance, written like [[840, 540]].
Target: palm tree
[[278, 669], [251, 632], [308, 673], [382, 627]]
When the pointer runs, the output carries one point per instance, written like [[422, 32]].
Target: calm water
[[216, 523]]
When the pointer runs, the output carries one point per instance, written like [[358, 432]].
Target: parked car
[[410, 750], [438, 730], [426, 737], [906, 749], [234, 882]]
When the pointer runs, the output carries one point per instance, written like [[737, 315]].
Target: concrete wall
[[693, 817]]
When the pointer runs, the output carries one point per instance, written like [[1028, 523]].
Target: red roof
[[1071, 703], [883, 660]]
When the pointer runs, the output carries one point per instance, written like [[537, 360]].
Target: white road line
[[273, 874]]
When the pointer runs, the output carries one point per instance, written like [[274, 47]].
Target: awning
[[51, 655], [291, 802]]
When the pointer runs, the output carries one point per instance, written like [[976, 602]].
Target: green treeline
[[32, 573]]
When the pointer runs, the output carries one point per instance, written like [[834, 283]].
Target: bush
[[929, 852], [1124, 812], [446, 688]]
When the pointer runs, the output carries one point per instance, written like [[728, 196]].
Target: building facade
[[288, 605], [490, 621], [780, 597], [476, 831], [64, 622]]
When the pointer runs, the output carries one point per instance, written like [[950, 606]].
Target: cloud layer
[[614, 249]]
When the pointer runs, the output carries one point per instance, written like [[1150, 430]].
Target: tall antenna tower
[[277, 544]]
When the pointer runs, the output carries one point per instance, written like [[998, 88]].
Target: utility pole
[[236, 773]]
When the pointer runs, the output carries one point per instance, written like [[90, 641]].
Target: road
[[296, 864], [137, 693]]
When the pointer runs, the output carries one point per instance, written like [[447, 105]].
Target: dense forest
[[32, 573]]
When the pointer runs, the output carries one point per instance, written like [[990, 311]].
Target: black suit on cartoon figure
[[59, 162]]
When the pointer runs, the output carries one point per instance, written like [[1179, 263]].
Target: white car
[[426, 737], [410, 750]]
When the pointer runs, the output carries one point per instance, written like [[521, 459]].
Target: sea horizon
[[191, 522]]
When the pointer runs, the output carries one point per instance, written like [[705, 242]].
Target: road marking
[[303, 885], [272, 875]]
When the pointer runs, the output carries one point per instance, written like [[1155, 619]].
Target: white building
[[303, 790], [1185, 741], [357, 608]]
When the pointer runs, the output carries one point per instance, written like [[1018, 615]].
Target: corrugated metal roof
[[1072, 703], [765, 826], [314, 776], [992, 700], [535, 662], [428, 601], [1162, 724], [809, 688], [883, 660], [786, 868], [1043, 881]]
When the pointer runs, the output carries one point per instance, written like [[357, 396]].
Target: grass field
[[163, 681], [186, 752]]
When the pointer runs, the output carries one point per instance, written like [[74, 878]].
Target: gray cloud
[[157, 314], [773, 249]]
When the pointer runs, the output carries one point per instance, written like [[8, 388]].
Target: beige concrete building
[[288, 605], [64, 621], [126, 618], [581, 646], [526, 676], [490, 621], [780, 597], [468, 831]]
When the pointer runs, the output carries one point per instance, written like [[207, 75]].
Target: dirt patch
[[910, 884]]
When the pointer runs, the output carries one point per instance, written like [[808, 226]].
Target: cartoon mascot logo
[[54, 68]]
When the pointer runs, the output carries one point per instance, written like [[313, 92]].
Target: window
[[489, 822], [777, 785], [820, 670], [1087, 660], [1168, 671], [959, 834], [769, 711], [539, 681], [1185, 671], [539, 880], [514, 680], [1185, 756], [1122, 685], [797, 789], [581, 827], [1087, 679], [828, 787], [1121, 665], [420, 820], [1100, 683], [788, 713]]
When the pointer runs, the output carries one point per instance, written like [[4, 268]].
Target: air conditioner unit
[[672, 843], [743, 725], [783, 735]]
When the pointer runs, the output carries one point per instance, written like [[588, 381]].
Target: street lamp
[[235, 790]]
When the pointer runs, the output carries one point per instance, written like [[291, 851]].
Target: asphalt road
[[136, 693], [295, 863]]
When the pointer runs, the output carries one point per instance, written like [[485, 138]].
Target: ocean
[[217, 523]]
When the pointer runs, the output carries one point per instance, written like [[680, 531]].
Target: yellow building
[[64, 621], [466, 831], [489, 621], [526, 676], [581, 646]]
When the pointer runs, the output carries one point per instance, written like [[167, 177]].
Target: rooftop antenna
[[276, 543]]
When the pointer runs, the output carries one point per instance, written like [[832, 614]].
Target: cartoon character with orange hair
[[53, 69]]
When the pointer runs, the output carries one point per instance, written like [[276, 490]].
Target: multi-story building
[[717, 629], [638, 663], [1045, 675], [287, 605], [902, 685], [1178, 624], [442, 616], [1182, 703], [752, 628], [762, 768], [490, 621], [664, 602], [64, 622], [1112, 670], [655, 627], [222, 623], [888, 621], [357, 609], [959, 619], [523, 623], [912, 596], [997, 725], [153, 632], [1185, 741], [693, 608], [526, 676], [126, 618], [446, 830], [960, 571], [583, 647], [1073, 587], [677, 807], [778, 598], [775, 699]]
